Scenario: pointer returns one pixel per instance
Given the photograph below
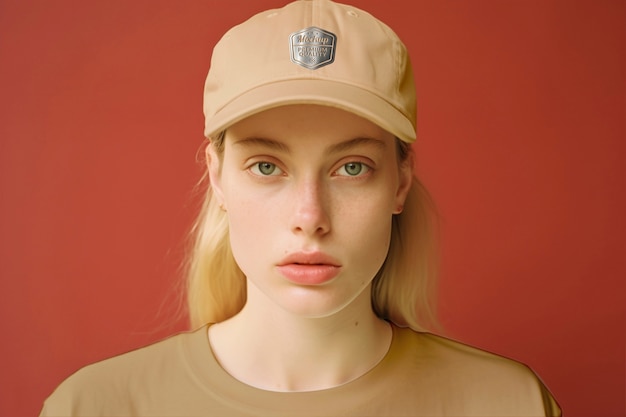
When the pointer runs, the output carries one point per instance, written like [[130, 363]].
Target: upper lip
[[309, 258]]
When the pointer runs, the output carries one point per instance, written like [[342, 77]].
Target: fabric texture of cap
[[312, 52]]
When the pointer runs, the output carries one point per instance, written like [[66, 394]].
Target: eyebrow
[[264, 142], [355, 142], [336, 148]]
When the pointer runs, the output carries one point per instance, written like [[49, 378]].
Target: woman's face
[[309, 192]]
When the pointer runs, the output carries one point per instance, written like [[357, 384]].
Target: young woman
[[310, 277]]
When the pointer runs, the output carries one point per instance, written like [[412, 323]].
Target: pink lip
[[313, 268]]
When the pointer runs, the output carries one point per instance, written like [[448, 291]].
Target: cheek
[[247, 227], [376, 240], [366, 228], [253, 224]]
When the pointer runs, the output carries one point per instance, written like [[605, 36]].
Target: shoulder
[[146, 360], [474, 378], [116, 385], [448, 355]]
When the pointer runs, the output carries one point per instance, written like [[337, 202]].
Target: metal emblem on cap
[[312, 47]]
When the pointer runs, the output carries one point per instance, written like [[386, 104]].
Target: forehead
[[322, 124]]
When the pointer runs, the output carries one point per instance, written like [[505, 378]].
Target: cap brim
[[313, 91]]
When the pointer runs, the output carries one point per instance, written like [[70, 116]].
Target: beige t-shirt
[[421, 375]]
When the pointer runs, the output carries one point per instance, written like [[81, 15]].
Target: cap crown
[[312, 51]]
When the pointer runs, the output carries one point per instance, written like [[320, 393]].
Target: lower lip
[[309, 274]]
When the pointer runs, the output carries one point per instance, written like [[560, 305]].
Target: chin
[[317, 303]]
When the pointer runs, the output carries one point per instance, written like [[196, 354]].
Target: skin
[[306, 179]]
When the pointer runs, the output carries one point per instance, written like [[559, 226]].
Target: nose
[[311, 212]]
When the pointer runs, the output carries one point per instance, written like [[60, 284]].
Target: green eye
[[265, 169], [353, 169]]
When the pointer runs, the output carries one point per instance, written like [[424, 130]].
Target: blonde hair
[[403, 291]]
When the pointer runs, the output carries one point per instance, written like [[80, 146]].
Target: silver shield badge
[[312, 47]]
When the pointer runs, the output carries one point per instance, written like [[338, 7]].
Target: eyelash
[[275, 171], [256, 169], [364, 169]]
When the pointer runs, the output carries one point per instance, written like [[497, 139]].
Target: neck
[[270, 348]]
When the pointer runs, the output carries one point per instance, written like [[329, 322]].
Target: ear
[[405, 171], [213, 163]]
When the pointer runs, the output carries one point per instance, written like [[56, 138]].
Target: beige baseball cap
[[312, 52]]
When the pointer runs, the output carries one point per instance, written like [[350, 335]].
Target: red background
[[521, 141]]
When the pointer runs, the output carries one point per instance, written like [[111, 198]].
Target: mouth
[[309, 258], [313, 268]]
